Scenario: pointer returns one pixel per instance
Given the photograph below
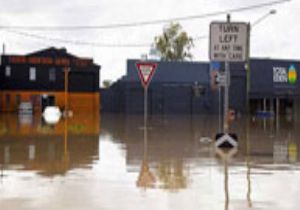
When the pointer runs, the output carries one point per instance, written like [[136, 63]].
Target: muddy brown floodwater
[[114, 163]]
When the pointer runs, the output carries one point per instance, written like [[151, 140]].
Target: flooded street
[[112, 163]]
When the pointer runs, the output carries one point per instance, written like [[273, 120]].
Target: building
[[41, 77], [186, 88]]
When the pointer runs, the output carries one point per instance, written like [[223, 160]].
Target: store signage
[[222, 80], [280, 74], [228, 41], [285, 75], [292, 75], [49, 61]]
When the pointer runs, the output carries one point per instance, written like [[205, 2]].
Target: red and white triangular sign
[[146, 71]]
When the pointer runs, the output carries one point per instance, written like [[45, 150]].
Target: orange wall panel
[[77, 102]]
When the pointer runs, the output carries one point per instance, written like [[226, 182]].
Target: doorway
[[47, 100]]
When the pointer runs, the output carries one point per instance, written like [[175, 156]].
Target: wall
[[83, 80], [262, 84], [78, 102], [82, 77], [176, 88]]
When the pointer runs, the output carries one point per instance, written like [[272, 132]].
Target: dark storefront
[[185, 88], [176, 88], [39, 78], [275, 86]]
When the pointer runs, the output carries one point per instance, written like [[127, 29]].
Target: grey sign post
[[146, 71], [228, 43]]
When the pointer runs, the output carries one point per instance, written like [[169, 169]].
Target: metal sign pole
[[228, 43], [220, 110], [226, 91], [145, 143], [226, 97], [146, 71], [145, 106]]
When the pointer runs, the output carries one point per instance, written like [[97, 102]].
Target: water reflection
[[225, 155], [274, 144], [172, 140], [159, 152], [167, 166], [175, 156], [28, 143], [146, 178]]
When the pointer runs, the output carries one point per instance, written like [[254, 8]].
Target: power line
[[198, 38], [10, 29], [144, 23], [93, 44], [76, 42]]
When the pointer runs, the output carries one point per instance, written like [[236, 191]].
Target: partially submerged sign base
[[226, 140]]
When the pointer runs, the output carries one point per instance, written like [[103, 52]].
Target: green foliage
[[174, 44], [107, 83]]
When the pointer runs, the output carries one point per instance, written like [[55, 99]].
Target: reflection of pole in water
[[145, 156], [249, 184], [225, 155], [66, 153], [248, 165], [2, 172], [226, 184], [146, 179], [6, 160]]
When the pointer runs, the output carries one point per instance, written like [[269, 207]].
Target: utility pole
[[226, 92], [248, 65], [66, 95], [248, 70]]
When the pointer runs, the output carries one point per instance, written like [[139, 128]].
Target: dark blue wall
[[172, 90], [262, 84], [173, 72], [176, 88]]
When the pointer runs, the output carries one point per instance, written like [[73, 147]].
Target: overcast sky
[[275, 37]]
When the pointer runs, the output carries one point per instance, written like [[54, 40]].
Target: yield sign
[[146, 71]]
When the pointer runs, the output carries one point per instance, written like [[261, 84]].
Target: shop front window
[[7, 71], [52, 75], [32, 73]]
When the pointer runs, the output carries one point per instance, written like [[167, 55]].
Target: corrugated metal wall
[[172, 90]]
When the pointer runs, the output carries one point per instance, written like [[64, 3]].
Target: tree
[[174, 44], [107, 83]]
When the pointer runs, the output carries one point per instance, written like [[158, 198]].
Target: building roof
[[53, 52], [51, 55]]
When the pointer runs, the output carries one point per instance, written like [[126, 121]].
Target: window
[[52, 75], [32, 73], [7, 71]]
